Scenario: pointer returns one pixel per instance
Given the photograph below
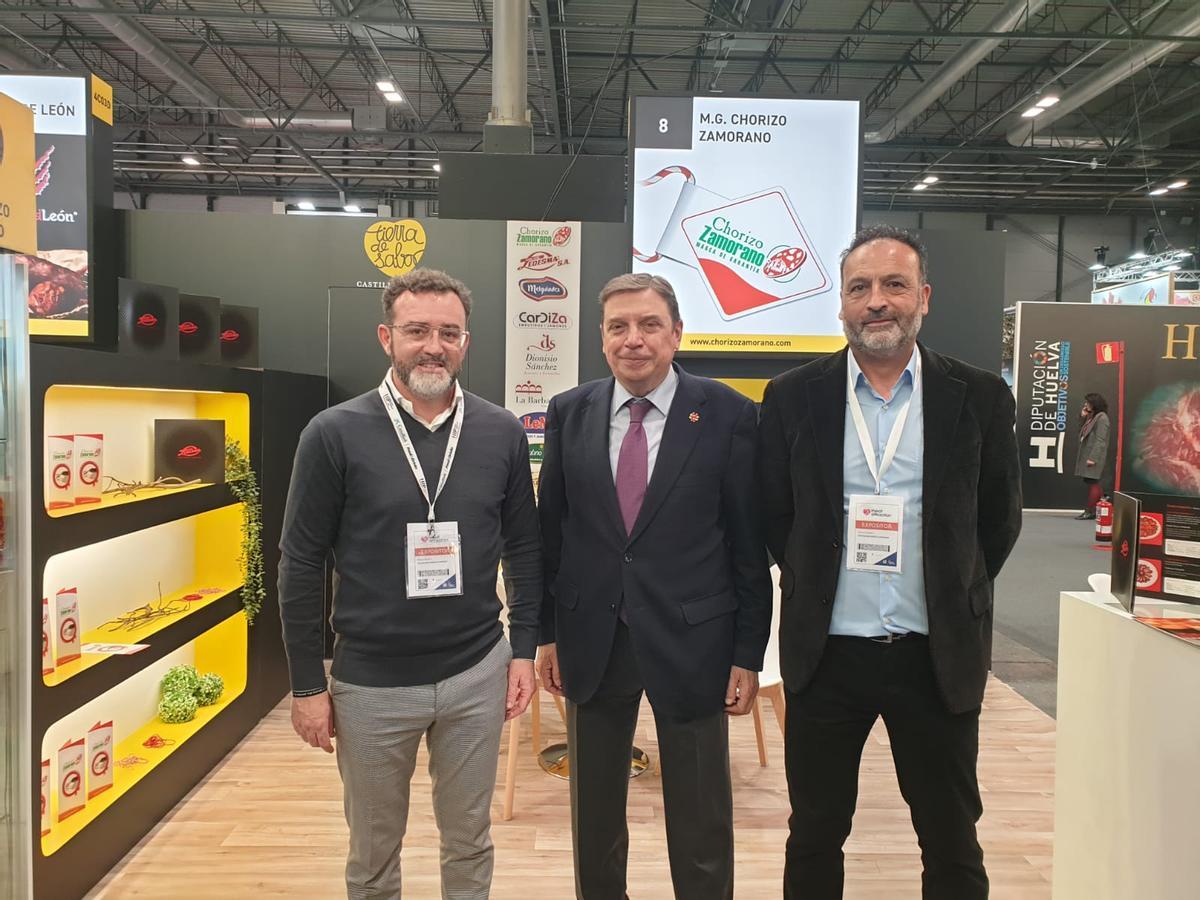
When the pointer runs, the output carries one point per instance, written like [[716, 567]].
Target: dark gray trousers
[[697, 794]]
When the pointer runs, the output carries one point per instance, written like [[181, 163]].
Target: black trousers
[[697, 793], [935, 754]]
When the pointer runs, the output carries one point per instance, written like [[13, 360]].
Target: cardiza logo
[[544, 288]]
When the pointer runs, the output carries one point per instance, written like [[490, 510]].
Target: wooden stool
[[514, 745]]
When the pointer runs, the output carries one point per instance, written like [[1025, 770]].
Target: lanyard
[[860, 425], [410, 452]]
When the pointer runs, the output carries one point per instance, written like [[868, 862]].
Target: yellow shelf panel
[[222, 649], [106, 635], [215, 551], [109, 500], [134, 410]]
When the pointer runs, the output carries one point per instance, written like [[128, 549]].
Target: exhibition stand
[[1126, 792], [130, 585]]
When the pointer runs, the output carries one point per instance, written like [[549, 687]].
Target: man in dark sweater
[[418, 489]]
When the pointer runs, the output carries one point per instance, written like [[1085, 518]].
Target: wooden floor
[[268, 821]]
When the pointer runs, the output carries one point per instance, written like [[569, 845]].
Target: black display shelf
[[60, 699], [59, 534]]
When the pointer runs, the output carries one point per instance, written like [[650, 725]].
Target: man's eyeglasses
[[418, 333]]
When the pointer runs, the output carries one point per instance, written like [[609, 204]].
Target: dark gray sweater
[[353, 493]]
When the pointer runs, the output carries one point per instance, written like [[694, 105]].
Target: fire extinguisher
[[1104, 521]]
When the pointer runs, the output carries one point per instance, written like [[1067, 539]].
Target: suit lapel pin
[[694, 417]]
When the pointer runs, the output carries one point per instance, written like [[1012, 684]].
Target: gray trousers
[[378, 733]]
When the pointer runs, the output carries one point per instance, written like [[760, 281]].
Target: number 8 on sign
[[663, 126]]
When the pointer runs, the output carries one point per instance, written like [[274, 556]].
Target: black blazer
[[693, 573], [971, 504]]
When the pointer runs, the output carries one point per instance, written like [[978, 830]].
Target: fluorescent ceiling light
[[1158, 192], [1176, 185], [930, 179], [1047, 101], [1031, 112], [190, 161], [352, 207], [306, 205], [920, 186], [437, 167], [386, 86], [393, 97]]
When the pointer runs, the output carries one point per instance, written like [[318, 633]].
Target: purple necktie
[[633, 465]]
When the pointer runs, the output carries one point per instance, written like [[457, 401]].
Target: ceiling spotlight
[[920, 186], [1031, 112], [190, 160], [929, 179], [1171, 268], [386, 86], [352, 207], [393, 97], [306, 205], [1176, 185], [1101, 259], [1137, 254], [1047, 101], [1158, 192], [437, 167]]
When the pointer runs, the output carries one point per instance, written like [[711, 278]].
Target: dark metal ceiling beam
[[587, 27], [863, 26]]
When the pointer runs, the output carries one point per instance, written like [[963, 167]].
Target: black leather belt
[[880, 639]]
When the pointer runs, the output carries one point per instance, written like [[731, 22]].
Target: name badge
[[875, 531], [433, 560]]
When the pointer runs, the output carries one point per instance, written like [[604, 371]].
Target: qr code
[[860, 557], [422, 584]]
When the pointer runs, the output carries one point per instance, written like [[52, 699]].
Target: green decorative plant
[[180, 680], [243, 482], [177, 707], [210, 689]]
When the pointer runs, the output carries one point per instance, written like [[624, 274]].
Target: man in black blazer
[[656, 581], [888, 541]]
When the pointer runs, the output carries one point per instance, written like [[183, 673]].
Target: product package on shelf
[[100, 772], [71, 798], [89, 456], [60, 470], [66, 604], [47, 653], [45, 797]]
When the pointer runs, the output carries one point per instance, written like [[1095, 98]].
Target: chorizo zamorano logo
[[394, 247]]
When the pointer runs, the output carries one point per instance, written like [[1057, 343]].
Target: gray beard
[[426, 386], [882, 344]]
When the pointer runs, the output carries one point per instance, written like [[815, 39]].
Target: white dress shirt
[[654, 423]]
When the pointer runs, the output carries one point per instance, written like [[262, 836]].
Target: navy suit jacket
[[693, 574]]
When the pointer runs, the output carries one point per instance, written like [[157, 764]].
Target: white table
[[1127, 770]]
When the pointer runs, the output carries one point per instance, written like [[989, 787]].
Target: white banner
[[542, 335], [744, 204]]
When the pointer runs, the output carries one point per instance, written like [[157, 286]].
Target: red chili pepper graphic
[[147, 320], [188, 327], [191, 451], [230, 335]]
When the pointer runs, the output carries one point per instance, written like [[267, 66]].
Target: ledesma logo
[[395, 247]]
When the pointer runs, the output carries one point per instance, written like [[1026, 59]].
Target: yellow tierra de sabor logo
[[395, 247]]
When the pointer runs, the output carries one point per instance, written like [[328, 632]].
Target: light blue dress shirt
[[654, 424], [868, 604]]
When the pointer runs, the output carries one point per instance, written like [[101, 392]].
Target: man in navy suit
[[656, 581]]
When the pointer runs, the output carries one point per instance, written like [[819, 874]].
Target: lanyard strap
[[860, 425], [410, 452]]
